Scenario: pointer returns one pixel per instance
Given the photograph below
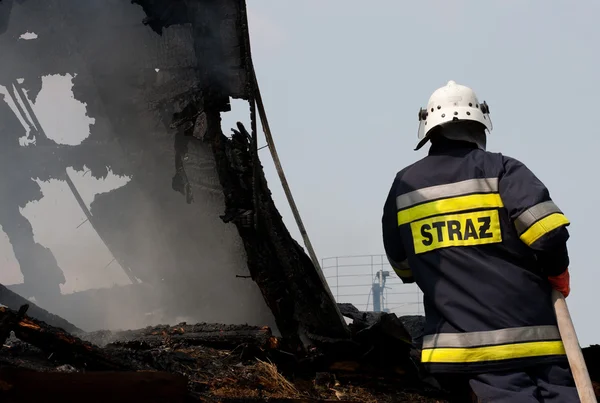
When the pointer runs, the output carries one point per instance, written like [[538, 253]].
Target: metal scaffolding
[[369, 283]]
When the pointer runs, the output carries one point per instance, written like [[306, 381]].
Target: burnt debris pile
[[217, 363], [206, 362]]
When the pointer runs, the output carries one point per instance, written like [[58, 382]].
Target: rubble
[[210, 335], [220, 363]]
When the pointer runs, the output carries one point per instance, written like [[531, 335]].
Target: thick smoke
[[161, 227]]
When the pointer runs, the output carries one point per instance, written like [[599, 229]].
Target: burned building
[[154, 77], [187, 227]]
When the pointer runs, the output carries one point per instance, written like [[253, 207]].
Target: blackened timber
[[62, 346], [14, 301], [206, 334], [286, 276]]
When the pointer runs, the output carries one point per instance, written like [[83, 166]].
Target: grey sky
[[342, 83]]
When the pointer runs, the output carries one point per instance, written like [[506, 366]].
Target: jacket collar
[[445, 146]]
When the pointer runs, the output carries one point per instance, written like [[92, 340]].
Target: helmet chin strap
[[423, 142]]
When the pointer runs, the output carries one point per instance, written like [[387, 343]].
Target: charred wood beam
[[14, 301], [62, 346], [217, 336], [304, 312], [293, 288], [18, 386]]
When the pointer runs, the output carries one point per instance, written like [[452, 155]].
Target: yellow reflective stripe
[[542, 227], [529, 217], [492, 353], [403, 273], [451, 205]]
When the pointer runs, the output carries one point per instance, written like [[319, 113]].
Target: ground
[[245, 372]]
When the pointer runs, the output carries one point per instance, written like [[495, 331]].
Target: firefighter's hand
[[561, 283]]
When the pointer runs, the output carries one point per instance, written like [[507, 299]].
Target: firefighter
[[480, 235]]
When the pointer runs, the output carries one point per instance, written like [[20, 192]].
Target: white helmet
[[453, 102]]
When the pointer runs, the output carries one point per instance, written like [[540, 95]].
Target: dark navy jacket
[[479, 234]]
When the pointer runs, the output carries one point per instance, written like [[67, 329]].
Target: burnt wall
[[195, 228], [145, 72]]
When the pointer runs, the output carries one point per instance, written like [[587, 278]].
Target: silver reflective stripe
[[486, 185], [491, 338], [530, 216]]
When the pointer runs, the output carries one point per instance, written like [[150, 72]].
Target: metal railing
[[354, 279]]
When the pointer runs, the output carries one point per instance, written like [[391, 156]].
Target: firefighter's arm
[[392, 241], [539, 222]]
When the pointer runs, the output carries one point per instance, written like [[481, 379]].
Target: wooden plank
[[206, 334], [63, 346]]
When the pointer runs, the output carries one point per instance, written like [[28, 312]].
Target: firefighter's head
[[454, 111]]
